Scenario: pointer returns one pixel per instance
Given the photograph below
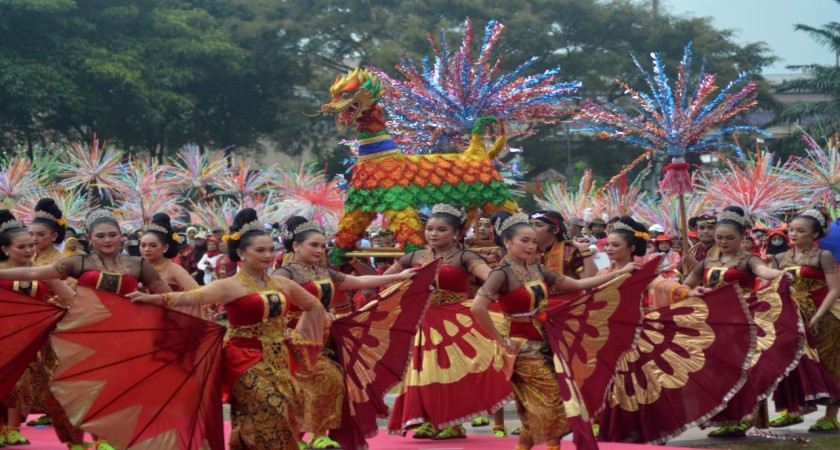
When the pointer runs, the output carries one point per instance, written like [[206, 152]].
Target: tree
[[821, 80]]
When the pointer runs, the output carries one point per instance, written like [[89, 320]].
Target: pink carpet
[[44, 439]]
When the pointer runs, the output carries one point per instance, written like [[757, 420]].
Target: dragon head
[[353, 95]]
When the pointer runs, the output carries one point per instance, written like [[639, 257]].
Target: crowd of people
[[481, 342]]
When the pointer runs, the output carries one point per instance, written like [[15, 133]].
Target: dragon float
[[389, 182]]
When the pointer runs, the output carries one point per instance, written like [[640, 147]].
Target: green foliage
[[152, 75]]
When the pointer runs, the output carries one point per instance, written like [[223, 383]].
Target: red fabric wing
[[588, 336], [140, 375], [374, 348], [25, 326]]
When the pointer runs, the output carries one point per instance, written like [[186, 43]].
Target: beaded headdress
[[155, 227], [624, 227], [309, 225], [10, 225], [502, 225], [99, 214], [47, 216], [733, 216], [813, 213], [461, 213]]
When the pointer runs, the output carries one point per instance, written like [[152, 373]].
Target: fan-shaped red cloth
[[692, 357], [781, 340], [25, 326], [374, 347], [588, 336], [140, 375]]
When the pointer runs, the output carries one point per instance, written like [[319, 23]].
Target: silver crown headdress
[[460, 213]]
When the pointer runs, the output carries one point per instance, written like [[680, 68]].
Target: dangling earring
[[242, 258]]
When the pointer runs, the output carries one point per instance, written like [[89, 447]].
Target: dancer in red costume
[[815, 288], [158, 245], [779, 336], [452, 357], [48, 228], [106, 268], [324, 391], [692, 357], [264, 395], [521, 290], [18, 249]]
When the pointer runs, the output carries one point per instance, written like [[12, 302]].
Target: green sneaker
[[786, 419], [13, 437], [499, 431], [322, 442], [102, 445], [825, 424], [456, 432], [481, 421], [425, 431], [731, 431]]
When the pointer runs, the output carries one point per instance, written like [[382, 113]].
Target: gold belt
[[442, 297], [274, 327]]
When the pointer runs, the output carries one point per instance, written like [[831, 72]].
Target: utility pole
[[655, 8]]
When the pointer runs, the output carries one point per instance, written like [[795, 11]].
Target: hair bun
[[48, 205], [243, 217], [162, 220], [6, 216]]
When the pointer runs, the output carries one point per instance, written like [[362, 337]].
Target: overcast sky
[[770, 21]]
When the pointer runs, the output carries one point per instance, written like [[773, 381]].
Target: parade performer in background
[[324, 390], [705, 227], [521, 290], [264, 395], [18, 249], [48, 229], [558, 253], [105, 268], [448, 362], [655, 396], [158, 245], [780, 338], [72, 247], [815, 288]]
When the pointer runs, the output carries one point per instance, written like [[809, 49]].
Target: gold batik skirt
[[323, 393], [265, 402], [538, 399], [828, 344]]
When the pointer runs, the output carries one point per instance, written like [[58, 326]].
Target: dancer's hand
[[408, 274], [699, 291], [511, 347], [813, 324], [582, 244], [155, 299], [629, 268]]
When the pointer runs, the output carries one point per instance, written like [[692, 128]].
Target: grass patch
[[774, 444]]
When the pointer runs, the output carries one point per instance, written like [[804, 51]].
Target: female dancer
[[715, 340], [158, 245], [265, 397], [324, 392], [558, 253], [451, 355], [105, 268], [48, 228], [521, 291], [18, 249], [725, 263], [815, 288]]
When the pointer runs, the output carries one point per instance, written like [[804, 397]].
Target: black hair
[[815, 223], [739, 227], [241, 219], [290, 225], [456, 222], [7, 235], [72, 231], [639, 243], [133, 240], [99, 221], [162, 220], [554, 219], [498, 218], [47, 205]]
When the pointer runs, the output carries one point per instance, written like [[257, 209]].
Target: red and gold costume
[[324, 390], [179, 280], [452, 377], [779, 334], [691, 358], [521, 293], [812, 382]]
